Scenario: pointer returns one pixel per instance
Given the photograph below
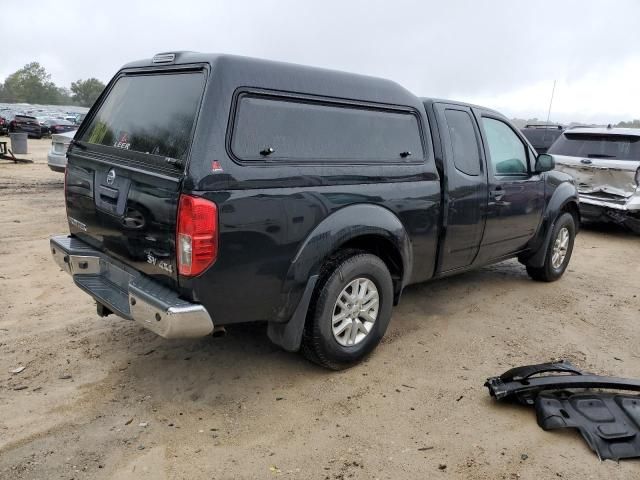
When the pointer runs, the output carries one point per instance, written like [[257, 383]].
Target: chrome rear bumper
[[128, 293]]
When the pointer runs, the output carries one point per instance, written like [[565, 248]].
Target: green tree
[[64, 96], [31, 84], [85, 92]]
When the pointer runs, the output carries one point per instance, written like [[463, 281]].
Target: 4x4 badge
[[111, 177]]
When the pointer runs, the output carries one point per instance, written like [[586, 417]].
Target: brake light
[[66, 183], [197, 235]]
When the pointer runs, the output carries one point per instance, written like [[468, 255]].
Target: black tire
[[549, 273], [319, 344]]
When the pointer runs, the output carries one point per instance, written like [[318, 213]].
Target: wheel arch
[[387, 251], [572, 207], [366, 227], [564, 199]]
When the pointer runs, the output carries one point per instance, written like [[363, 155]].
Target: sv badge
[[161, 264]]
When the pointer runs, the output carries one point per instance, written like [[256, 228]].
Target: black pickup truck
[[208, 190]]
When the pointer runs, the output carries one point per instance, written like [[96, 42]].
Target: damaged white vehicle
[[605, 162]]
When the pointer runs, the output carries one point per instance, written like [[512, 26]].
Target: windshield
[[151, 114], [618, 147]]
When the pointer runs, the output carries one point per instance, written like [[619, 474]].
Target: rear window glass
[[541, 137], [268, 128], [151, 114], [617, 147]]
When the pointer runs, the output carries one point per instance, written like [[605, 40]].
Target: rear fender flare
[[336, 230]]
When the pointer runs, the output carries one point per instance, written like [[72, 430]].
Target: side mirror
[[545, 163]]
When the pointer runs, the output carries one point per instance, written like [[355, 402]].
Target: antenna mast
[[551, 101], [549, 111]]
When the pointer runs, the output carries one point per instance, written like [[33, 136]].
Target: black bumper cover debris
[[609, 423]]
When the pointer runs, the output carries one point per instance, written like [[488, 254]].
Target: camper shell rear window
[[151, 114]]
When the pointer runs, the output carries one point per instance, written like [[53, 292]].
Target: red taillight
[[197, 235], [66, 175]]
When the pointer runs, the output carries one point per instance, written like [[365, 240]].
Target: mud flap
[[537, 258], [289, 335]]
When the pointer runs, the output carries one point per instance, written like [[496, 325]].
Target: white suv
[[57, 157], [605, 163]]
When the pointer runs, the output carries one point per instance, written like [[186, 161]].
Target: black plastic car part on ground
[[241, 184], [523, 384], [609, 422]]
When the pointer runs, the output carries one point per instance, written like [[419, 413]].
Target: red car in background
[[4, 126]]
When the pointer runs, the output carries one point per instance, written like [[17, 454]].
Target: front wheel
[[350, 312], [558, 252]]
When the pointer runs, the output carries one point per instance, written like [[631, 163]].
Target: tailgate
[[124, 174], [126, 214]]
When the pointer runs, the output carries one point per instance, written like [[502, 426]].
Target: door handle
[[586, 161], [108, 192], [497, 193]]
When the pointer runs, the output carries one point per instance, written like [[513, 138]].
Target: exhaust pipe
[[219, 331]]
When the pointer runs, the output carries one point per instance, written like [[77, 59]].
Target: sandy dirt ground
[[103, 398]]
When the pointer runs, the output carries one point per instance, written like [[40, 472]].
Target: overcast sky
[[501, 54]]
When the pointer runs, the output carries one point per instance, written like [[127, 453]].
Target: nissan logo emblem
[[111, 177]]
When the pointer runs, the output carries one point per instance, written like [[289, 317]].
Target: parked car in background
[[44, 127], [60, 126], [57, 156], [542, 136], [25, 124], [605, 163], [4, 126], [214, 188]]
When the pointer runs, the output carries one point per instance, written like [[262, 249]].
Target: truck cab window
[[507, 153], [466, 156]]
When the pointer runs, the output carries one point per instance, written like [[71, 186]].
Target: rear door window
[[278, 129], [466, 155], [151, 114], [617, 147]]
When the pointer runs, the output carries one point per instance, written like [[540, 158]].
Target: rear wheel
[[558, 252], [350, 311]]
